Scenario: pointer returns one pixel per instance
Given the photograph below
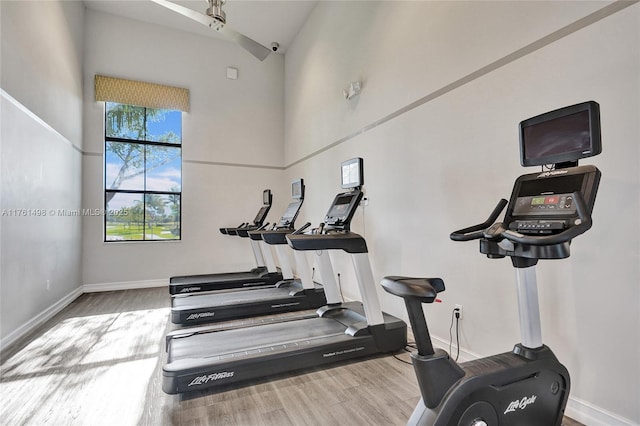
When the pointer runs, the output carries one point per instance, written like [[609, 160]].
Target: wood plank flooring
[[99, 362]]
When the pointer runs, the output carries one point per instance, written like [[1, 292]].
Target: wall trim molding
[[39, 319], [208, 163], [37, 119], [219, 163], [124, 285], [578, 409], [569, 29]]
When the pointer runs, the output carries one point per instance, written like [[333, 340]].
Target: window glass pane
[[124, 217], [164, 125], [162, 217], [164, 166], [150, 160], [124, 166], [125, 121]]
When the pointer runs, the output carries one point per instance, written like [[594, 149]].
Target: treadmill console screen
[[342, 209], [340, 206], [262, 213], [290, 214], [564, 135]]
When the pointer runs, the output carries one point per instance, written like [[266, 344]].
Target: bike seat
[[423, 289]]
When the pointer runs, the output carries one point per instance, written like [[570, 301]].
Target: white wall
[[444, 162], [41, 143], [232, 147]]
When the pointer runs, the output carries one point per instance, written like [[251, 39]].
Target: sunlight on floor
[[85, 369]]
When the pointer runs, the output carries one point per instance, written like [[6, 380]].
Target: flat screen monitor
[[352, 173], [297, 189], [266, 197], [561, 136]]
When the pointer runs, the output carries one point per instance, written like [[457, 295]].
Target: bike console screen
[[543, 203], [556, 204]]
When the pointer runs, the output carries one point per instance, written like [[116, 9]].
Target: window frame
[[144, 143]]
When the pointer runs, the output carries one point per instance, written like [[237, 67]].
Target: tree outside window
[[143, 173]]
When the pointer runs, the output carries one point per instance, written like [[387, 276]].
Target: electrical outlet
[[458, 309]]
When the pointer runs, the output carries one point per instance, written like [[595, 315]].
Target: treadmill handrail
[[347, 241]]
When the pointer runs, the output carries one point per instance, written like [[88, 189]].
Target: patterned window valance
[[150, 95]]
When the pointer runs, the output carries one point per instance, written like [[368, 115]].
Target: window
[[143, 173]]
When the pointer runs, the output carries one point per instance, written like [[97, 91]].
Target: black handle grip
[[301, 229], [581, 225], [475, 232], [263, 227]]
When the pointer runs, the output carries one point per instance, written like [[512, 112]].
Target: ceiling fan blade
[[253, 47], [185, 11]]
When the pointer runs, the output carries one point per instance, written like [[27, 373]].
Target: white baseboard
[[47, 314], [39, 319], [579, 410], [124, 285], [588, 414]]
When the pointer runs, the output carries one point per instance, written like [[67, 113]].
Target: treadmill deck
[[205, 357]]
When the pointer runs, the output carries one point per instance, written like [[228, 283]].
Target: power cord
[[455, 313], [407, 348], [340, 287]]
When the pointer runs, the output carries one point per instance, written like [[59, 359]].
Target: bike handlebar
[[476, 232]]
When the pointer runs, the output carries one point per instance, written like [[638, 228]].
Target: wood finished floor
[[99, 362]]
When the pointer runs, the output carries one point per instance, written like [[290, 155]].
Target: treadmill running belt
[[215, 345], [231, 298], [199, 279]]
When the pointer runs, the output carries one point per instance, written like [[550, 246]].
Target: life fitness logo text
[[552, 173], [200, 380], [200, 315], [520, 404]]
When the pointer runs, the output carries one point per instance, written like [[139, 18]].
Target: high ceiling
[[264, 21]]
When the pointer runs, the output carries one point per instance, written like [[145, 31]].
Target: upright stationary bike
[[527, 386]]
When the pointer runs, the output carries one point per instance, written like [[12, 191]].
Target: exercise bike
[[546, 211], [527, 386]]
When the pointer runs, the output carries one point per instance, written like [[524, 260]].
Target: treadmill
[[288, 295], [261, 276], [210, 358]]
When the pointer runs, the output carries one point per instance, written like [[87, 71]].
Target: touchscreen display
[[570, 133], [564, 135]]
